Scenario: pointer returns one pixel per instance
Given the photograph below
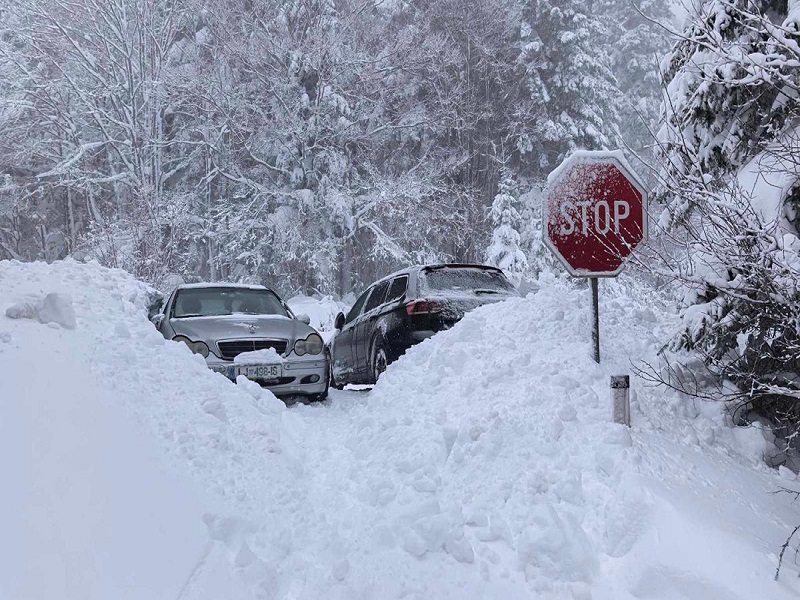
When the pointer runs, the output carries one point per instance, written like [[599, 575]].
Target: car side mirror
[[339, 322], [304, 318], [157, 319]]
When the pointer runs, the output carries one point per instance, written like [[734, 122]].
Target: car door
[[343, 355], [366, 327], [164, 327], [393, 315]]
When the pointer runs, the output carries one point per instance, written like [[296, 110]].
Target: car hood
[[212, 329]]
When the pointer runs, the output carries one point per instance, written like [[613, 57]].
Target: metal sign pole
[[595, 321]]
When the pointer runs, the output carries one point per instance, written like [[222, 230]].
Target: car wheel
[[331, 379], [379, 361], [320, 397]]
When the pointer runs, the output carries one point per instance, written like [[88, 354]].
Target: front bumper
[[306, 377]]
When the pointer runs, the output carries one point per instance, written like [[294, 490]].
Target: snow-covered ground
[[483, 465]]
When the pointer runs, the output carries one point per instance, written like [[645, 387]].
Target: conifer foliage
[[571, 84], [730, 144], [504, 250]]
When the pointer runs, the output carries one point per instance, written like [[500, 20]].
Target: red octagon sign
[[595, 213]]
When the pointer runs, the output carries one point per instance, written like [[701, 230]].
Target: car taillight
[[422, 307]]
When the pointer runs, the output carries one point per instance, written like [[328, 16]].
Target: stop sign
[[594, 213]]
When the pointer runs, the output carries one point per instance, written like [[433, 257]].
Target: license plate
[[261, 372]]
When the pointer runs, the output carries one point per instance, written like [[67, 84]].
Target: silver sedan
[[248, 330]]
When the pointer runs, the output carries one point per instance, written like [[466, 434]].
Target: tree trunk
[[345, 268], [71, 220]]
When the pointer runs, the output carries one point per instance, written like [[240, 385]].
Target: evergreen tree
[[571, 85], [540, 258], [636, 39], [504, 250], [730, 144], [727, 100]]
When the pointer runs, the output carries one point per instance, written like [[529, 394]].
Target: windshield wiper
[[483, 291], [188, 315]]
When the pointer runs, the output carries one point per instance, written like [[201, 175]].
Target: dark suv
[[403, 309]]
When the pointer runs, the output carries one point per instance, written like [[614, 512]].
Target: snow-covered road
[[483, 465]]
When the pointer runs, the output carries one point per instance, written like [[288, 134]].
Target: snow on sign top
[[595, 213]]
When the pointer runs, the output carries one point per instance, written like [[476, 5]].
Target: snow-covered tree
[[308, 144], [572, 87], [331, 168], [635, 37], [504, 250], [539, 257], [730, 144], [106, 148]]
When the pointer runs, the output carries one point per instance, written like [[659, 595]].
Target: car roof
[[220, 284], [435, 266]]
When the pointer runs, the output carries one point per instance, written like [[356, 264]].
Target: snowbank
[[89, 508], [483, 465], [504, 425], [101, 497], [53, 309]]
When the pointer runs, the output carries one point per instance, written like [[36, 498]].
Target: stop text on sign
[[588, 217]]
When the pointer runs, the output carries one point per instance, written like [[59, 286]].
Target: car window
[[377, 296], [354, 312], [398, 288], [466, 279], [213, 302], [168, 304]]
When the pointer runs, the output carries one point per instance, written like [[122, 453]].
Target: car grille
[[233, 348], [274, 382]]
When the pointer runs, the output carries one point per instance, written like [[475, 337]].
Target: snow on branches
[[311, 145], [730, 143], [504, 250]]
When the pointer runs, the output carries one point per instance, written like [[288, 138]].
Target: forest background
[[309, 145]]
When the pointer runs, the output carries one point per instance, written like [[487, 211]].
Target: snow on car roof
[[221, 284], [436, 266]]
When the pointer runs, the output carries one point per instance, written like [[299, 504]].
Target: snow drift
[[483, 465]]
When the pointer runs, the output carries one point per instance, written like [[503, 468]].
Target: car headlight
[[313, 344], [181, 338], [200, 348]]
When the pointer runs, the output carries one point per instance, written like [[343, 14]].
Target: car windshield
[[467, 279], [220, 301]]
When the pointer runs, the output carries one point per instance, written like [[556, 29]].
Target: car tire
[[379, 360], [331, 379]]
